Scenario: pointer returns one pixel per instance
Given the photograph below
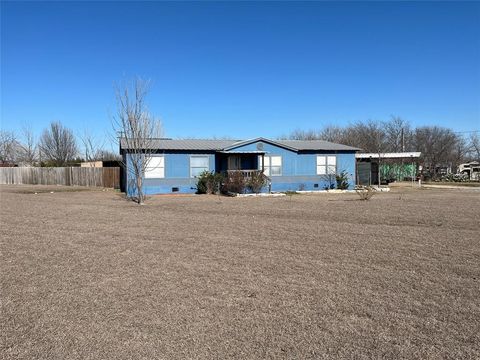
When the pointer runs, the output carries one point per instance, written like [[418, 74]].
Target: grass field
[[89, 275]]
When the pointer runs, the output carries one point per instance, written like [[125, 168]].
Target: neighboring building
[[472, 169], [393, 167], [289, 164], [95, 164]]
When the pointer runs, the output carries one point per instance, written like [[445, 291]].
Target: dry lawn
[[89, 275]]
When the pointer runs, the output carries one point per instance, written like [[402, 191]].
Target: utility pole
[[403, 141]]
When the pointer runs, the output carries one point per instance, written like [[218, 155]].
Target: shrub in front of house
[[342, 181], [209, 182], [256, 182], [365, 192], [234, 182]]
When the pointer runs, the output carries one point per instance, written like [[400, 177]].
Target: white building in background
[[472, 169]]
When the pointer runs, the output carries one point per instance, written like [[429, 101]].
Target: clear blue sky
[[242, 69]]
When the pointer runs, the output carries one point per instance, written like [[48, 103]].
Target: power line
[[466, 132]]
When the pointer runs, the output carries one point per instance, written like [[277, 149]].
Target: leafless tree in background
[[29, 146], [333, 133], [330, 133], [399, 135], [91, 146], [437, 144], [9, 146], [299, 134], [106, 155], [474, 145], [138, 129], [58, 144]]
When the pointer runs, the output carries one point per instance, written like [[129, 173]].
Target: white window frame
[[207, 168], [268, 166], [326, 164], [157, 170]]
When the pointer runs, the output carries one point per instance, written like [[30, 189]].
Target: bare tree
[[29, 146], [437, 145], [399, 135], [474, 145], [92, 147], [333, 133], [138, 129], [299, 134], [105, 155], [330, 133], [9, 146], [58, 144]]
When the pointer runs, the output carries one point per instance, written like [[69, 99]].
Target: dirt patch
[[89, 275]]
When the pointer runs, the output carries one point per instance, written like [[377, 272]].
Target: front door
[[234, 162]]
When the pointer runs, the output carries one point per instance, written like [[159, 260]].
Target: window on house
[[273, 165], [326, 165], [198, 164], [155, 167]]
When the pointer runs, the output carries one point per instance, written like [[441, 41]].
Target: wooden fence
[[108, 177]]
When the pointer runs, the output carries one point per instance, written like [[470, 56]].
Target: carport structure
[[373, 168]]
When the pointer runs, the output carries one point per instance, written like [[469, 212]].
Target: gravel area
[[86, 274]]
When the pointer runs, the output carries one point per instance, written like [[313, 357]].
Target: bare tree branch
[[92, 147], [58, 144], [138, 129], [29, 146], [474, 145], [9, 146]]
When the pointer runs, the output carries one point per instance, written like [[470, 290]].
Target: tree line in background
[[56, 146], [440, 147]]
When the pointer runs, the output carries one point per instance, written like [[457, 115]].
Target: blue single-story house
[[289, 164]]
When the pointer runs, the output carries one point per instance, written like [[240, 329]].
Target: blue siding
[[288, 156], [298, 170], [178, 165], [346, 162], [177, 175]]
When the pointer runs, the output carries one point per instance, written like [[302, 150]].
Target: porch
[[246, 163]]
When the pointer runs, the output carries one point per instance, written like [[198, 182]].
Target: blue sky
[[242, 69]]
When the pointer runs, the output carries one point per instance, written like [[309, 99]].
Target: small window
[[326, 165], [175, 189], [332, 164], [155, 167], [198, 164], [273, 165]]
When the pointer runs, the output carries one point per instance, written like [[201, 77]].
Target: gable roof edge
[[251, 141]]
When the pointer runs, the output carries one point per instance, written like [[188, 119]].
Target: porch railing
[[246, 173]]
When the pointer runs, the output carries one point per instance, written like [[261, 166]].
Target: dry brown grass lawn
[[88, 275]]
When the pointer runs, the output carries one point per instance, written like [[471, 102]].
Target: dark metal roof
[[221, 145], [242, 152], [187, 144], [315, 145]]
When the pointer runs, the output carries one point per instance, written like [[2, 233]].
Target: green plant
[[209, 182], [257, 181], [342, 181]]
